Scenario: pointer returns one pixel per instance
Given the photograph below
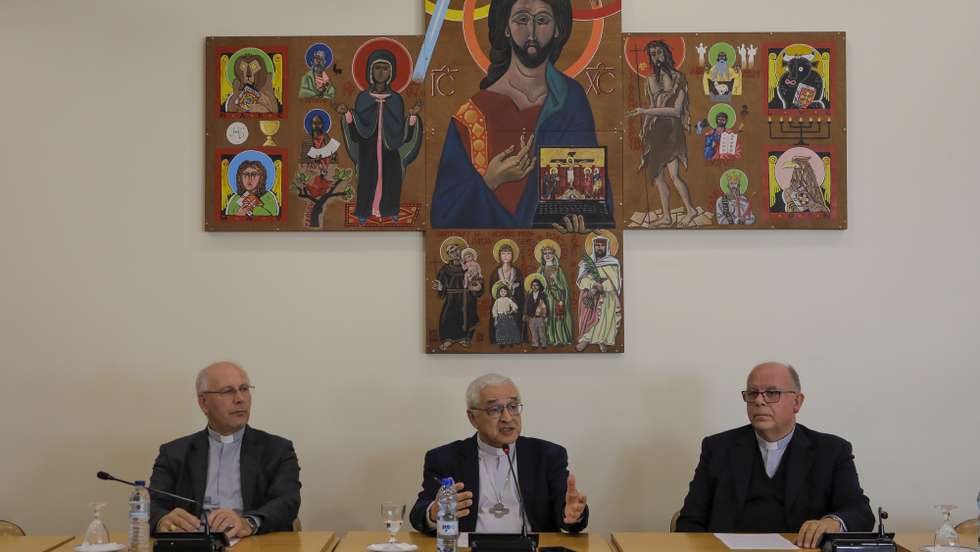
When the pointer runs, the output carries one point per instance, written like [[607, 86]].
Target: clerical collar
[[226, 439], [490, 450], [777, 445]]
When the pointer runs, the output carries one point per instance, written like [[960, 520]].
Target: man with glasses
[[488, 501], [775, 476], [246, 480]]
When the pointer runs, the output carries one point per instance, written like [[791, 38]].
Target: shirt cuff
[[843, 526], [429, 522]]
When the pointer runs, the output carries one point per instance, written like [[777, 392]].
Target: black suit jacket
[[542, 468], [269, 475], [820, 480]]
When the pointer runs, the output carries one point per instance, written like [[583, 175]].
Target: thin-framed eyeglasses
[[497, 410], [770, 395], [228, 392]]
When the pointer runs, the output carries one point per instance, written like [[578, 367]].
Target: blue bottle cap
[[448, 482], [139, 483]]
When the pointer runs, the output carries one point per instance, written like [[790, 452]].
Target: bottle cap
[[139, 483], [448, 482]]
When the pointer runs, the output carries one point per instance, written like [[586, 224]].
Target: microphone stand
[[205, 541], [501, 542]]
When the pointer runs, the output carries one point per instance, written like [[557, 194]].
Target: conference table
[[32, 543], [358, 541], [303, 541], [706, 542], [670, 542]]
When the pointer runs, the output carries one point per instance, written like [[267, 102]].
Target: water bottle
[[139, 518], [447, 527]]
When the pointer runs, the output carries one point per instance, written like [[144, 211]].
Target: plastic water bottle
[[139, 518], [447, 526]]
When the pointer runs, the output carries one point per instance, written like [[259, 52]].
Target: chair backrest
[[673, 521], [968, 526], [297, 525], [10, 529]]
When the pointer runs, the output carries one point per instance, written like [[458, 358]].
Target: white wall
[[112, 296]]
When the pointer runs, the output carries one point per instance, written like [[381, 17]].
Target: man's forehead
[[226, 374], [496, 393], [769, 375]]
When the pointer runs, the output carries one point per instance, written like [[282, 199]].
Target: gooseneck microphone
[[108, 477], [517, 486], [180, 542]]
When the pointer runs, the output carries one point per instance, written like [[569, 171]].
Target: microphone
[[517, 485], [184, 542], [108, 477]]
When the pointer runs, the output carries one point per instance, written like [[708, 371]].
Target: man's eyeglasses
[[770, 395], [497, 410], [228, 392]]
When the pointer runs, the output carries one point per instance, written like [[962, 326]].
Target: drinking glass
[[392, 514], [96, 532]]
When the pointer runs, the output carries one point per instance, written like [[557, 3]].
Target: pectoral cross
[[499, 510]]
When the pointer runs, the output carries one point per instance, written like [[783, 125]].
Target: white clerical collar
[[226, 439], [775, 445], [490, 450]]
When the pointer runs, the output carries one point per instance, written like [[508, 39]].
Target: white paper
[[755, 541]]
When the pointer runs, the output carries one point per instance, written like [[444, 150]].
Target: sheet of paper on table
[[755, 541]]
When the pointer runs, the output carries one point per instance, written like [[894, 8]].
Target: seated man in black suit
[[775, 476], [487, 499], [247, 479]]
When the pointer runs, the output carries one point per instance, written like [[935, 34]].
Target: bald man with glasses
[[247, 480], [488, 498], [775, 475]]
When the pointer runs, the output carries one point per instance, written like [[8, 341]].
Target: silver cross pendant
[[499, 510]]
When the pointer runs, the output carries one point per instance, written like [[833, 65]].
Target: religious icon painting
[[346, 116], [694, 124], [507, 81], [734, 204], [250, 185], [523, 291], [800, 76], [802, 184], [250, 81], [316, 82]]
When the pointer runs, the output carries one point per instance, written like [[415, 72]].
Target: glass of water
[[392, 514], [946, 534], [96, 532]]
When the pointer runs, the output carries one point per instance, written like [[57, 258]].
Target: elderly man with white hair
[[247, 480], [488, 497]]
